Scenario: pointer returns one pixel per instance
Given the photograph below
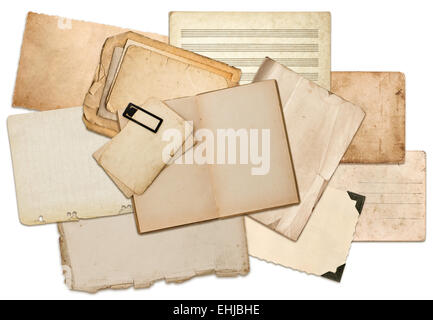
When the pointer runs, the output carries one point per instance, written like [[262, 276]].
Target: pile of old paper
[[164, 162]]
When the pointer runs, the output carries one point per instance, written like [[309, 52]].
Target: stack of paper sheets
[[291, 162]]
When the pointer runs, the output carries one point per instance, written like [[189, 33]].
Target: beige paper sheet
[[298, 40], [135, 155], [381, 137], [58, 61], [395, 209], [108, 253], [324, 244], [189, 193], [163, 77], [56, 178], [320, 127]]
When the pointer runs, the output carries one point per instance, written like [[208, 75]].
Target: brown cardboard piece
[[382, 96], [147, 69]]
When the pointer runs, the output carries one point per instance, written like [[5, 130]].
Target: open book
[[241, 163]]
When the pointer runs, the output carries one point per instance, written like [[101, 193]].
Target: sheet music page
[[299, 40]]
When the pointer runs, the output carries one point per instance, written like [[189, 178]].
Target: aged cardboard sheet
[[146, 69], [56, 178], [141, 69], [320, 127], [135, 155], [114, 64], [108, 253], [381, 137], [226, 188], [58, 60], [395, 209], [298, 40], [324, 245]]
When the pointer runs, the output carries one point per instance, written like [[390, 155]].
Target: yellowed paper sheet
[[298, 40], [136, 155], [382, 95], [108, 253], [320, 127], [58, 61], [224, 188], [324, 244], [56, 178], [163, 77], [395, 209]]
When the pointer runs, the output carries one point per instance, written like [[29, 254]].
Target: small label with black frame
[[154, 122]]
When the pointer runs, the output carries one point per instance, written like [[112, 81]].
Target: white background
[[366, 36]]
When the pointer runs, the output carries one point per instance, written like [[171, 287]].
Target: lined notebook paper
[[298, 40], [396, 200]]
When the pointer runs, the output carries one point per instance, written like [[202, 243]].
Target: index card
[[56, 178], [58, 60], [107, 253], [382, 95], [298, 40], [395, 209], [320, 126]]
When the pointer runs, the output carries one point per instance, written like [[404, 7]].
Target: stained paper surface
[[56, 178], [58, 60], [395, 209], [324, 244], [108, 253], [320, 126], [382, 96], [298, 40]]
